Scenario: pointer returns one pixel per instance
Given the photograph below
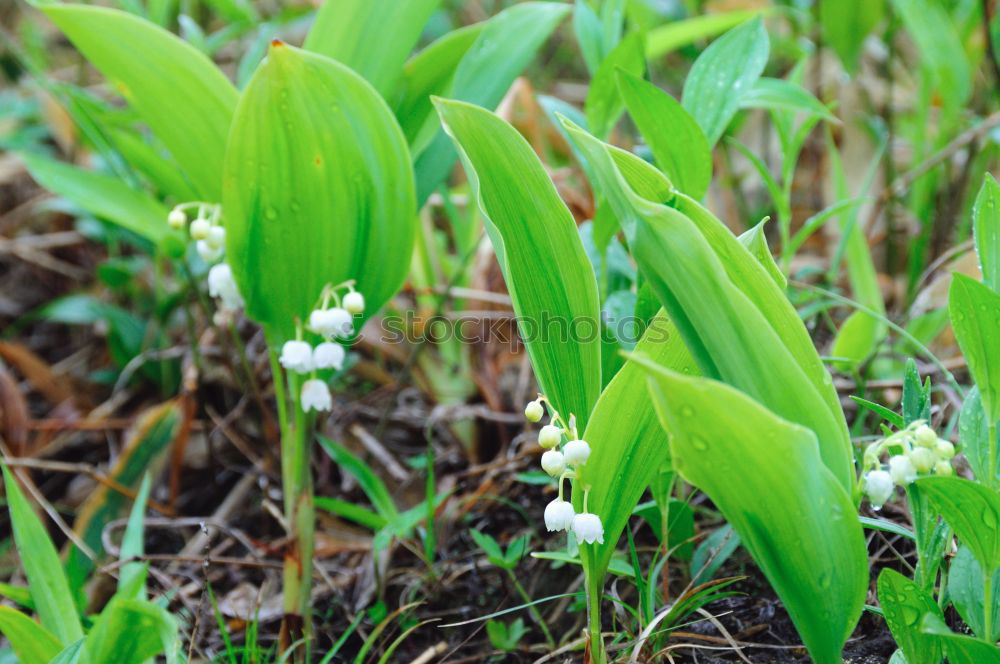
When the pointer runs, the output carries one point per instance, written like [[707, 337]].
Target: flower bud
[[222, 286], [878, 487], [559, 515], [354, 302], [553, 463], [200, 228], [577, 452], [923, 459], [534, 411], [901, 470], [216, 237], [925, 436], [588, 528], [944, 469], [208, 253], [296, 356], [944, 449], [549, 436], [176, 219], [331, 322], [328, 355], [316, 396]]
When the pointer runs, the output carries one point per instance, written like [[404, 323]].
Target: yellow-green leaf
[[32, 643], [986, 230], [975, 317]]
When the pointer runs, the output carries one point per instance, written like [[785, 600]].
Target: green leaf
[[855, 341], [766, 476], [712, 553], [490, 547], [348, 510], [46, 579], [887, 526], [886, 414], [589, 35], [178, 92], [755, 241], [32, 643], [986, 230], [972, 511], [974, 435], [975, 317], [132, 542], [501, 52], [372, 37], [130, 631], [678, 144], [965, 588], [846, 24], [71, 654], [318, 190], [916, 401], [370, 483], [903, 605], [722, 74], [781, 95], [674, 35], [537, 245], [604, 104], [961, 649], [941, 49]]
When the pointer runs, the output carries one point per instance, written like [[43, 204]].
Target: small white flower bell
[[553, 463], [549, 436], [923, 459], [216, 237], [559, 515], [588, 528], [328, 355], [297, 356], [316, 396], [925, 436], [534, 411], [576, 452], [901, 470], [200, 228], [222, 285], [208, 253], [176, 219], [944, 449], [354, 302], [331, 322], [878, 486]]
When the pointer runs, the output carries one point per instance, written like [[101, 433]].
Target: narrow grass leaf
[[676, 34], [604, 104], [132, 542], [370, 483], [32, 643], [781, 95]]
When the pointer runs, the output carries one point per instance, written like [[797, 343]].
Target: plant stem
[[532, 609], [597, 654]]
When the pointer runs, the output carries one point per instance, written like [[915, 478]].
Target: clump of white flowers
[[210, 242], [332, 319], [563, 463], [912, 452]]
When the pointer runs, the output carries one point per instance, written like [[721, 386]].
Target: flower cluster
[[563, 464], [206, 230], [331, 323], [913, 451]]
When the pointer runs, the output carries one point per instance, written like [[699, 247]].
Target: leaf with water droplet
[[974, 308], [903, 605], [971, 510]]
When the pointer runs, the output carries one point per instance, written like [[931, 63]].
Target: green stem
[[531, 609], [597, 653]]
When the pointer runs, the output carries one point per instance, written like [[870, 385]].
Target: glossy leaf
[[974, 437], [372, 37], [903, 605], [722, 74], [755, 241], [975, 317], [678, 144], [961, 649], [846, 24], [674, 35], [766, 476], [32, 643], [604, 104], [319, 190], [176, 89], [539, 250], [986, 230], [781, 95], [965, 588], [972, 511]]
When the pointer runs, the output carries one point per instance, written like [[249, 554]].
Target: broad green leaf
[[961, 649], [722, 74], [372, 37], [678, 144], [766, 476], [178, 92], [49, 589], [132, 542], [161, 171], [974, 437], [972, 511], [903, 605], [501, 52], [846, 24], [755, 242], [32, 643], [941, 50], [781, 95], [855, 341], [986, 230], [604, 103], [549, 277], [130, 631], [965, 588], [589, 35], [71, 654], [672, 36], [975, 317], [318, 190]]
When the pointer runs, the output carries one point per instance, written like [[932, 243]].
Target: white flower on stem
[[354, 302], [923, 459], [901, 469], [316, 396], [534, 411], [222, 285], [208, 253], [553, 463], [216, 237], [200, 228], [944, 449], [177, 219], [549, 436], [925, 436], [878, 487], [297, 356], [331, 322], [577, 452], [328, 355], [943, 468], [588, 528], [559, 515]]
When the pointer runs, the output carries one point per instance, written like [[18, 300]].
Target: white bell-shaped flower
[[222, 285], [944, 449], [559, 515], [297, 356], [328, 355], [331, 322], [925, 436], [901, 470], [354, 302], [208, 253], [176, 219], [549, 436], [576, 452], [200, 228], [316, 395], [216, 237], [923, 459], [553, 463], [534, 411], [878, 487], [588, 528]]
